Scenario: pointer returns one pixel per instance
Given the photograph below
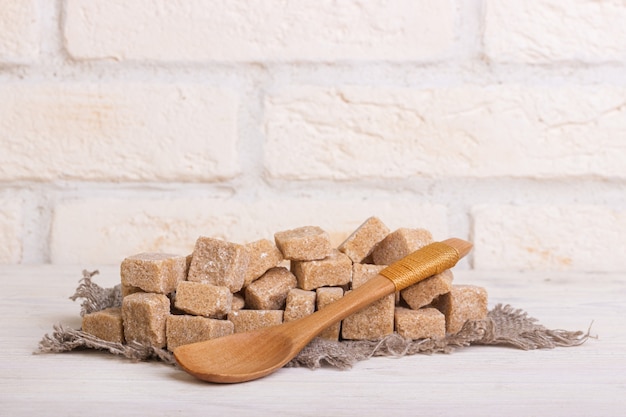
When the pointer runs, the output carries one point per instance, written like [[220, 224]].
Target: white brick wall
[[10, 230], [19, 34], [136, 126], [117, 131], [268, 30], [118, 228], [510, 130], [588, 238], [547, 31]]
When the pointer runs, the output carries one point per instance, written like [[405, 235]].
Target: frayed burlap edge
[[504, 325]]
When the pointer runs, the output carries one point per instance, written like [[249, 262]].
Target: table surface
[[480, 380]]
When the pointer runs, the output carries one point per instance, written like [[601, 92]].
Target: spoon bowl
[[247, 357]]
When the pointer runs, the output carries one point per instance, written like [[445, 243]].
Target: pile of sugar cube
[[225, 287]]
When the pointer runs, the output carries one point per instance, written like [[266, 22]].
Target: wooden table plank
[[581, 381]]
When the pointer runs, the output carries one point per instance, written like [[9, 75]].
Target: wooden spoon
[[246, 356]]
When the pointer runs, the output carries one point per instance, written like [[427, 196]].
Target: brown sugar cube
[[185, 329], [373, 322], [203, 299], [144, 316], [335, 270], [239, 302], [462, 303], [129, 289], [425, 323], [424, 292], [263, 255], [324, 297], [154, 272], [361, 273], [270, 291], [219, 263], [306, 243], [248, 320], [363, 240], [399, 244], [105, 324], [300, 303]]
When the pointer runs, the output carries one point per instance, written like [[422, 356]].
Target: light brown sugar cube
[[105, 324], [363, 240], [425, 323], [154, 272], [399, 244], [203, 299], [185, 329], [263, 255], [335, 270], [248, 320], [424, 292], [462, 303], [300, 303], [306, 243], [361, 273], [324, 297], [239, 302], [129, 289], [144, 316], [270, 291], [219, 263], [373, 322]]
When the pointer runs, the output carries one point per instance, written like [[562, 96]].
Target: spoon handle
[[428, 261]]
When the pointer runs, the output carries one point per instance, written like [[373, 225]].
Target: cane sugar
[[247, 320], [270, 291], [306, 243], [219, 263], [334, 270], [324, 297], [263, 255], [424, 292], [361, 273], [299, 303], [425, 323], [374, 321], [129, 289], [105, 324], [154, 272], [225, 287], [363, 240], [462, 303], [185, 329], [203, 299], [399, 244], [144, 316], [371, 323], [239, 302]]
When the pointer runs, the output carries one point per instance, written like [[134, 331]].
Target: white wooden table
[[589, 380]]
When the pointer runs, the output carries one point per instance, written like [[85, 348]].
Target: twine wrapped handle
[[425, 262]]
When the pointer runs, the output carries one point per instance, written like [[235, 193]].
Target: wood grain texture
[[581, 381]]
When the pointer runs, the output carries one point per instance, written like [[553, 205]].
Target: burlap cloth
[[504, 325]]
